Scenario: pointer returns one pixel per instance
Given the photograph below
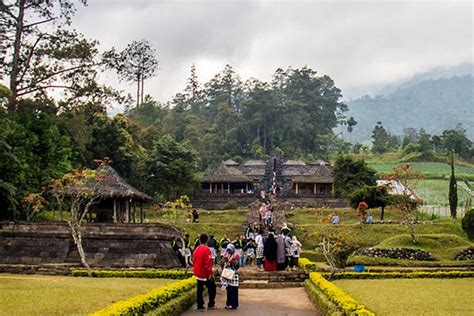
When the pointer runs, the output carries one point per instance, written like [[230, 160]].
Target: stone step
[[266, 285]]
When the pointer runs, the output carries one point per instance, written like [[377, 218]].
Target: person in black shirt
[[214, 246]]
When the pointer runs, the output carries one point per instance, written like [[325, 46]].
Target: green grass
[[425, 167], [60, 295], [435, 192], [218, 223], [414, 296], [442, 246]]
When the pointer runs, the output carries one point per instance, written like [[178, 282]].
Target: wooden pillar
[[222, 188], [127, 211], [228, 188], [297, 188], [314, 189], [141, 212], [134, 212], [115, 211], [210, 187]]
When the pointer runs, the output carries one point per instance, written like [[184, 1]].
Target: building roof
[[315, 173], [111, 185], [294, 163], [230, 162], [225, 173], [252, 162]]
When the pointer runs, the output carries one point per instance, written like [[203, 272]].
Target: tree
[[40, 53], [351, 122], [374, 196], [405, 178], [468, 224], [382, 141], [457, 141], [350, 174], [171, 167], [136, 63], [79, 190], [453, 190]]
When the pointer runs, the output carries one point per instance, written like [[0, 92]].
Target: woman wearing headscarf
[[231, 261], [296, 250], [270, 253], [281, 252]]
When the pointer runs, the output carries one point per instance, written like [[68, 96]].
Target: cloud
[[361, 45]]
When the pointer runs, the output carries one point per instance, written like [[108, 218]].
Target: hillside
[[434, 105]]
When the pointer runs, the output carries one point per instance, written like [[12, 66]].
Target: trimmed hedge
[[401, 275], [155, 299], [149, 274], [347, 304], [307, 265], [320, 300], [178, 305], [371, 261]]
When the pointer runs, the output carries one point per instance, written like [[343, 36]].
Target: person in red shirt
[[202, 267]]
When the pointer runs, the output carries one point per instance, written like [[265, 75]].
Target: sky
[[362, 45]]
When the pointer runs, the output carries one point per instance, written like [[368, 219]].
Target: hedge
[[307, 265], [371, 261], [155, 299], [320, 300], [347, 304], [401, 275], [150, 274]]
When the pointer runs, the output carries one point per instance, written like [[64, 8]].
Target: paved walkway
[[264, 302]]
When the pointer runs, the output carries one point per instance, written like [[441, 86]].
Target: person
[[270, 253], [223, 244], [177, 248], [289, 255], [239, 245], [263, 210], [335, 219], [268, 217], [249, 232], [281, 253], [249, 250], [231, 261], [195, 216], [296, 250], [187, 253], [202, 269], [214, 246], [369, 219], [285, 229], [259, 240]]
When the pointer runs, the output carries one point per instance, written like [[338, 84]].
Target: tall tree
[[136, 63], [453, 190], [350, 174], [39, 53], [382, 141], [351, 122]]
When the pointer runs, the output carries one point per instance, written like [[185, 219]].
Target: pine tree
[[453, 190]]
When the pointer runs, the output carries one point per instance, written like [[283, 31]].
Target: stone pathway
[[264, 302]]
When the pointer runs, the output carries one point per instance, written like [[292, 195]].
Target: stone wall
[[106, 245]]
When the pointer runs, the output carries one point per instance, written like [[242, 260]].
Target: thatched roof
[[309, 174], [113, 185], [225, 173], [255, 163], [294, 163], [230, 162]]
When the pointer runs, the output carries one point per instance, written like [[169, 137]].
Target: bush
[[341, 299], [468, 224], [156, 298], [400, 275], [310, 204], [320, 300], [231, 204]]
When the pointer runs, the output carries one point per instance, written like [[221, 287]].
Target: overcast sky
[[362, 45]]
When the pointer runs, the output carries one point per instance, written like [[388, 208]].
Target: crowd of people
[[272, 251]]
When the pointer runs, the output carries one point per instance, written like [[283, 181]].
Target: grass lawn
[[61, 295], [218, 223], [424, 167], [413, 296], [435, 192]]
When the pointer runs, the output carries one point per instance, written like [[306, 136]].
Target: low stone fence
[[397, 253], [106, 245]]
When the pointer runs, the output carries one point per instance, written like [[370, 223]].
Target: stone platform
[[106, 245]]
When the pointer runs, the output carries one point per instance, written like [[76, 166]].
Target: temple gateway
[[289, 180]]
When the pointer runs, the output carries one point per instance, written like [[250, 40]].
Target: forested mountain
[[433, 105]]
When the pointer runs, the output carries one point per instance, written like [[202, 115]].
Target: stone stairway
[[252, 279]]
